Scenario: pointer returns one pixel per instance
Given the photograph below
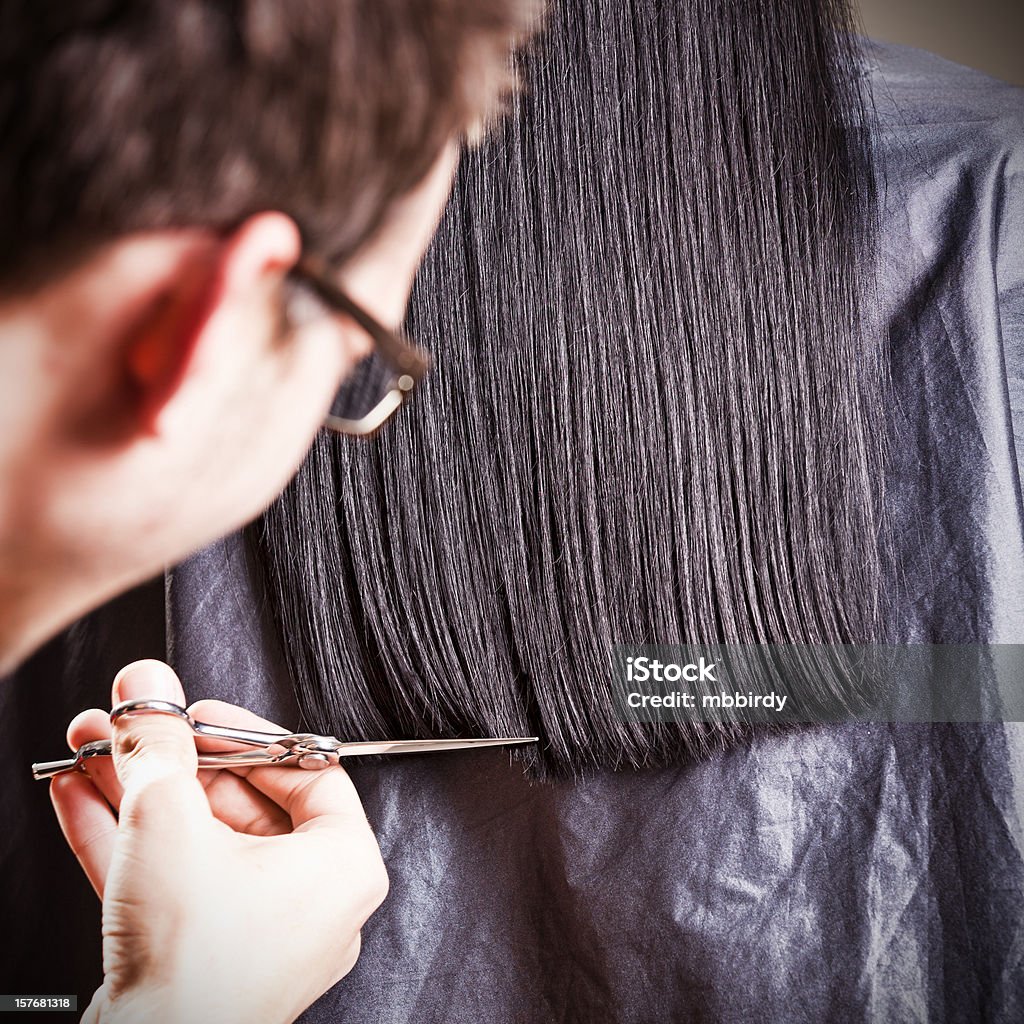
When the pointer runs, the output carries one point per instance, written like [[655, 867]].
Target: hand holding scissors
[[227, 895]]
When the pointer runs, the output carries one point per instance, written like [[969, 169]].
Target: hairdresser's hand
[[237, 895]]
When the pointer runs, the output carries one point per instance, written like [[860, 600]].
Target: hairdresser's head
[[164, 167]]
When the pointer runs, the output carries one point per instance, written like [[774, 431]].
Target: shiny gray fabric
[[862, 873]]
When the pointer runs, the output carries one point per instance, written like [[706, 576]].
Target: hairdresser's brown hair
[[120, 116]]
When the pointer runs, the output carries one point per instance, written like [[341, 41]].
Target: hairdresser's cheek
[[381, 277], [324, 354], [383, 290], [279, 413], [292, 410]]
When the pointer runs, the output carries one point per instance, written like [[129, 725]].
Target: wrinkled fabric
[[858, 873]]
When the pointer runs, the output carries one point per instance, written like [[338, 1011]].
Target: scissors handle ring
[[163, 707]]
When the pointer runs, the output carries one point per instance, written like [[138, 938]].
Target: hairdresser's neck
[[44, 583], [30, 613], [47, 578], [40, 591]]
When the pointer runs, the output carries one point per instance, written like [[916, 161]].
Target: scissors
[[290, 749]]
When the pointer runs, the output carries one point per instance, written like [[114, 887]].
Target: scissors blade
[[425, 746]]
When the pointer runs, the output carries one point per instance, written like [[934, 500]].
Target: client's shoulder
[[931, 114]]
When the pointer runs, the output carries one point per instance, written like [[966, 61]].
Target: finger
[[88, 824], [312, 799], [87, 726], [233, 800], [155, 748], [321, 803], [241, 806], [91, 725], [218, 712]]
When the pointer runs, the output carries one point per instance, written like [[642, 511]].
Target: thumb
[[152, 747]]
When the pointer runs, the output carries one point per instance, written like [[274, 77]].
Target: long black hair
[[657, 411]]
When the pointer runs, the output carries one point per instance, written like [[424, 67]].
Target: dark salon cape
[[860, 873]]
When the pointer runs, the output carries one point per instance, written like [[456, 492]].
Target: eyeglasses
[[372, 393]]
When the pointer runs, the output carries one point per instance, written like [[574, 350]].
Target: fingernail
[[147, 680]]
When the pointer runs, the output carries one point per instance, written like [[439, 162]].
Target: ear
[[165, 347]]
